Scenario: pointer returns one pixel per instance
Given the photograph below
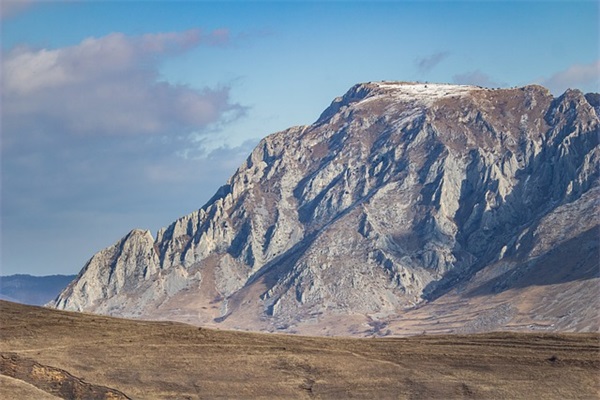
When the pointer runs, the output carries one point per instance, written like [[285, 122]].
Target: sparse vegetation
[[176, 361]]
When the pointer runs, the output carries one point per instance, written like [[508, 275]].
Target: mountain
[[404, 208], [33, 290]]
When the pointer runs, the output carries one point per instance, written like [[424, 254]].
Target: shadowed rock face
[[397, 195]]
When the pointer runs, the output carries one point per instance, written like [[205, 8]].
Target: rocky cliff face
[[398, 196]]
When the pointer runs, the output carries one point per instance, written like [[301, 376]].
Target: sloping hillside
[[165, 360]]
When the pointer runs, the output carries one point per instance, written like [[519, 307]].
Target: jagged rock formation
[[399, 196]]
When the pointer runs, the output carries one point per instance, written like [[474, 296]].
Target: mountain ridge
[[33, 290], [397, 193]]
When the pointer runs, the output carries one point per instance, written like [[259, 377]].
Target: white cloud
[[97, 59], [581, 76], [109, 85]]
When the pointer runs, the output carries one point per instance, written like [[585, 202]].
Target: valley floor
[[52, 353]]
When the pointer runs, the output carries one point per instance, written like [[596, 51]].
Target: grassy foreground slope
[[59, 352]]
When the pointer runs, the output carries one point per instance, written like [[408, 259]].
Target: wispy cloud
[[9, 8], [426, 64], [581, 76], [477, 78]]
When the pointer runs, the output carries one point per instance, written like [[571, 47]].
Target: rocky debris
[[54, 380], [398, 193]]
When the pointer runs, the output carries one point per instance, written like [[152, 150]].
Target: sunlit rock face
[[397, 195]]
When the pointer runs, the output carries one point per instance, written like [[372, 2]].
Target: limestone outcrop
[[396, 197]]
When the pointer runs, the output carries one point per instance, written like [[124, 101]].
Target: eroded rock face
[[398, 193], [54, 381]]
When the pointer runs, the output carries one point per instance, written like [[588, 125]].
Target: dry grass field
[[46, 353]]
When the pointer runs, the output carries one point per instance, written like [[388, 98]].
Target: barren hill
[[404, 208], [75, 355]]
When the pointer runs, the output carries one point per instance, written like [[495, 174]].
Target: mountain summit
[[406, 207]]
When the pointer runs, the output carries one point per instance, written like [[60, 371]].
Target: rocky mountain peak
[[416, 94], [397, 195]]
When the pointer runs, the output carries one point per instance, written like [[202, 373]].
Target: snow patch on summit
[[424, 93]]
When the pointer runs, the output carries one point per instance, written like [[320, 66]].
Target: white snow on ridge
[[424, 93]]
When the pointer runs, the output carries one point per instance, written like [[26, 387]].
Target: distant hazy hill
[[34, 290]]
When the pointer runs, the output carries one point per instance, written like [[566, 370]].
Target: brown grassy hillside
[[104, 357]]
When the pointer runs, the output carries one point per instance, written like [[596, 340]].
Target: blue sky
[[128, 114]]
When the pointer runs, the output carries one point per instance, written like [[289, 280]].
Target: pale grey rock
[[112, 271], [398, 193]]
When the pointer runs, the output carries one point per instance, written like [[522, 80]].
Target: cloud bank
[[581, 76], [109, 86], [92, 139]]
